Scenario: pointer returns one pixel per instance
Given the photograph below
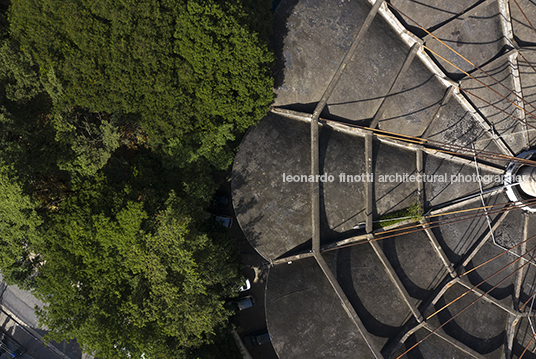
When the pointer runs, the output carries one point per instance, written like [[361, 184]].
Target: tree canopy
[[115, 120], [192, 70]]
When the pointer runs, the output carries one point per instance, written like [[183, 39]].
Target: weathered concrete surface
[[432, 347], [312, 45], [391, 196], [412, 106], [498, 104], [343, 202], [431, 13], [527, 74], [448, 188], [456, 125], [370, 74], [476, 35], [480, 326], [305, 317], [458, 237], [416, 263], [521, 27], [274, 215], [368, 287]]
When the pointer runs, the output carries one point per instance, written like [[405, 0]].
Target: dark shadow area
[[498, 293], [389, 249], [305, 247], [457, 77], [452, 328], [416, 28], [325, 114], [519, 349], [414, 353], [345, 278], [522, 43]]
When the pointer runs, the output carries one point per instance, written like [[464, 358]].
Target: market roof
[[451, 95]]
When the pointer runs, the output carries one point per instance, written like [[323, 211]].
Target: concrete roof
[[397, 107]]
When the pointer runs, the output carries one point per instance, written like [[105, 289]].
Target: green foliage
[[90, 137], [114, 117], [193, 70], [122, 281], [19, 227], [413, 212]]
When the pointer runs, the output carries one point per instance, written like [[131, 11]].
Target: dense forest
[[116, 117]]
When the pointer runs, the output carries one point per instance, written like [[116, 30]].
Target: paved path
[[18, 319]]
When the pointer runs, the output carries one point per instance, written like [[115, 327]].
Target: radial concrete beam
[[347, 305], [407, 62], [315, 191], [369, 189], [437, 248], [396, 281]]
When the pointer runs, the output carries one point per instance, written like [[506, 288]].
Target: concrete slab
[[274, 215], [370, 74], [343, 202], [412, 106], [481, 326], [476, 35], [392, 193], [527, 72], [457, 236], [431, 13], [433, 347], [305, 317], [311, 45], [368, 287], [523, 31], [496, 101], [457, 179], [456, 125], [416, 263]]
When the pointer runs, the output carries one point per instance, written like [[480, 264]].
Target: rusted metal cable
[[461, 311], [526, 18], [464, 58], [527, 302], [483, 281], [527, 61], [530, 341], [495, 107], [464, 151], [489, 88], [429, 226]]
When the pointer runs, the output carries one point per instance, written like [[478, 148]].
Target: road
[[19, 321]]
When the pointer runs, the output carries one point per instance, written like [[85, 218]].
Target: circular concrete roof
[[451, 102]]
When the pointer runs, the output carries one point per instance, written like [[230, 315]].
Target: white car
[[246, 286]]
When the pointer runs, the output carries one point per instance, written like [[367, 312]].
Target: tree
[[90, 139], [124, 282], [114, 116], [19, 228], [194, 70]]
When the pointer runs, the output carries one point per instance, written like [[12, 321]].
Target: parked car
[[223, 220], [246, 286], [256, 339], [242, 303]]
